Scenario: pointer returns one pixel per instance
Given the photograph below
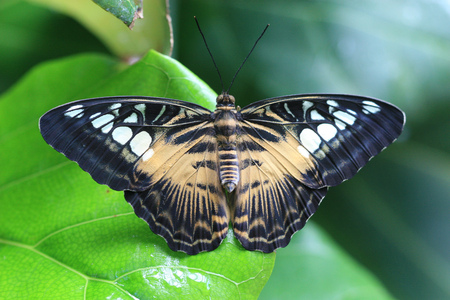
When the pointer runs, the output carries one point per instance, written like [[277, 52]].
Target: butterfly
[[189, 172]]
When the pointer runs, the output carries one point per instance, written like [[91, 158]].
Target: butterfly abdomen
[[225, 125], [228, 167]]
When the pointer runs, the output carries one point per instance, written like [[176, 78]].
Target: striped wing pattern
[[187, 205], [271, 204], [291, 149], [163, 152]]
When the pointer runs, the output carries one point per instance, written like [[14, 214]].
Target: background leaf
[[32, 34], [314, 267], [152, 32], [126, 11], [63, 227]]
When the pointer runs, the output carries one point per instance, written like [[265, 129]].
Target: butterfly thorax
[[225, 125]]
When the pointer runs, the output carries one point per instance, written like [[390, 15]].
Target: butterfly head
[[225, 100]]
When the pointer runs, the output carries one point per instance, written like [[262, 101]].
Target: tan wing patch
[[286, 151], [167, 148]]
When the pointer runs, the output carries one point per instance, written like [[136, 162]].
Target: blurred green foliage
[[393, 216]]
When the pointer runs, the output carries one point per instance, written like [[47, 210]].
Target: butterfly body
[[226, 127], [189, 172]]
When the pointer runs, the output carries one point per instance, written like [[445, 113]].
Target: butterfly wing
[[188, 205], [161, 151], [292, 148], [271, 204]]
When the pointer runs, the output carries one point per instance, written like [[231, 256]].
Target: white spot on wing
[[371, 103], [332, 103], [122, 134], [74, 107], [140, 107], [303, 151], [94, 115], [163, 109], [310, 140], [316, 116], [133, 118], [306, 105], [371, 107], [107, 128], [327, 131], [115, 106], [101, 121], [76, 113], [115, 109], [140, 143], [345, 117], [286, 107], [147, 155], [352, 112], [341, 125]]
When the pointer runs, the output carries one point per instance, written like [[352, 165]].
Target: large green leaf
[[64, 236]]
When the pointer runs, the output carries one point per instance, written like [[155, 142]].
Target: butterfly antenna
[[248, 55], [210, 54]]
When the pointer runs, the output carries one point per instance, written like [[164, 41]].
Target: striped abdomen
[[225, 125]]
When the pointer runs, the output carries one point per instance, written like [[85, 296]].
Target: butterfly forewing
[[337, 134], [111, 138]]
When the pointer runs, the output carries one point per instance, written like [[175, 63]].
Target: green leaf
[[64, 236], [32, 34], [151, 32], [126, 11]]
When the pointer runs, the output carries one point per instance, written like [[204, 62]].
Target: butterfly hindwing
[[291, 149], [187, 206]]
